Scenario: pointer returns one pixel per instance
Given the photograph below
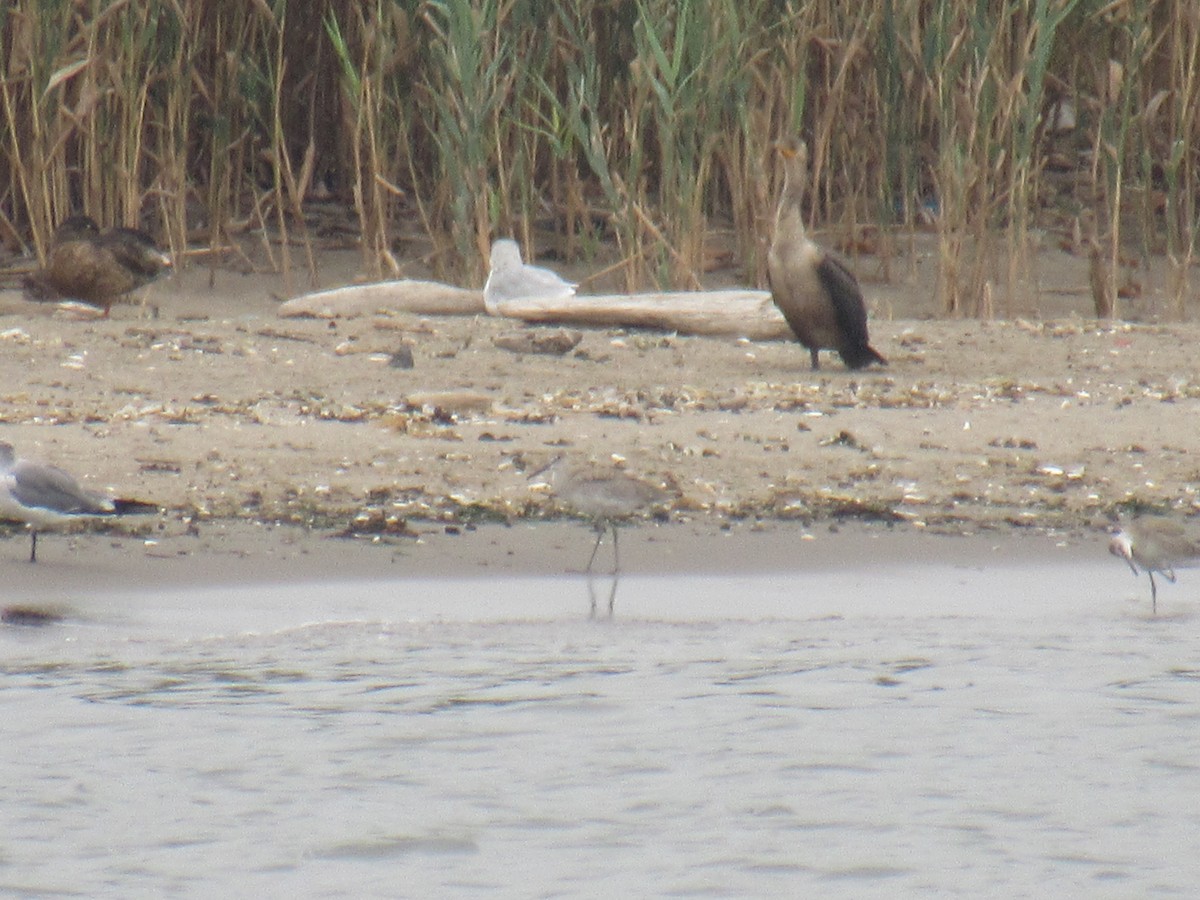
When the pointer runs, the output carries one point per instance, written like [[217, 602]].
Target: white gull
[[510, 279], [44, 497]]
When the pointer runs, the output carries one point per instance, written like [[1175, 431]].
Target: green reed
[[471, 66]]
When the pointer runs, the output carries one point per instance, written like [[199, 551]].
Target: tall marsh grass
[[644, 125]]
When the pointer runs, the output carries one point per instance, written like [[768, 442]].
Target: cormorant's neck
[[788, 216]]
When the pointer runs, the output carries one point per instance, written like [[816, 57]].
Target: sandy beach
[[204, 401]]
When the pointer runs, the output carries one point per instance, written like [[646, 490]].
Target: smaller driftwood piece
[[424, 298]]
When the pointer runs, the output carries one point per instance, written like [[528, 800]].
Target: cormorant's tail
[[862, 356]]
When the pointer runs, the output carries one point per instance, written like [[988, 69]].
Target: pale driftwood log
[[424, 298], [742, 313]]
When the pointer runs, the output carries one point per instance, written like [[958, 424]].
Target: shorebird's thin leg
[[33, 547], [591, 597], [616, 574], [1153, 595], [599, 538]]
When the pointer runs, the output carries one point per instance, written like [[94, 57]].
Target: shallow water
[[897, 729]]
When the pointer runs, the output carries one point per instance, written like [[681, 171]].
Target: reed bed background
[[644, 125]]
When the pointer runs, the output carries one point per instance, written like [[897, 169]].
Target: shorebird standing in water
[[604, 496], [816, 293], [511, 279], [45, 497], [1157, 545]]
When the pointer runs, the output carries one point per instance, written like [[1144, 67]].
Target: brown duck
[[816, 293], [97, 268]]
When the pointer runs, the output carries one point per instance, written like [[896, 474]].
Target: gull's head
[[506, 254]]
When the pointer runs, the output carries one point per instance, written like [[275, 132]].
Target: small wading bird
[[511, 279], [1156, 545], [96, 268], [816, 293], [45, 497], [605, 497]]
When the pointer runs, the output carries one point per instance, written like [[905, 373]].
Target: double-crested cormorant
[[816, 293], [97, 268], [1157, 545], [45, 496], [510, 279]]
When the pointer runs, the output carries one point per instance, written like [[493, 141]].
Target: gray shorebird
[[1155, 545], [45, 497], [511, 279], [818, 296], [95, 267], [606, 497]]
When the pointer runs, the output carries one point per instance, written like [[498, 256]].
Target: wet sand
[[234, 553]]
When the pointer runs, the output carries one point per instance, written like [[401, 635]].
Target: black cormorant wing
[[842, 288]]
